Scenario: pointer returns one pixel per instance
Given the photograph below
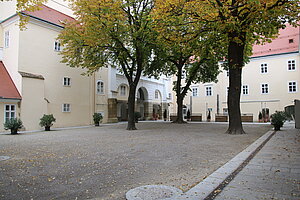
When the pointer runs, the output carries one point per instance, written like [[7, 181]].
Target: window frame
[[296, 87], [100, 88], [123, 91], [57, 46], [210, 91], [10, 111], [67, 80], [67, 106], [247, 89], [264, 68], [291, 64], [197, 91], [6, 39], [262, 89]]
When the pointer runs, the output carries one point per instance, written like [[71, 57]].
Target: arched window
[[157, 94], [123, 90], [100, 87]]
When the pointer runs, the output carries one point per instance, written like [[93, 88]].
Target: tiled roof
[[8, 89], [50, 15], [288, 41]]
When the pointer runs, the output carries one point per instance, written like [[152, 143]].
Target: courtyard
[[105, 162]]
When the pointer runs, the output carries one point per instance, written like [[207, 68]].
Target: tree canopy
[[110, 32], [240, 24]]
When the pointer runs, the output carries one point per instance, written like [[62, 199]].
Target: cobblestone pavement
[[105, 162], [274, 173]]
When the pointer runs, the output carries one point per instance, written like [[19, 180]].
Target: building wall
[[277, 78], [7, 9], [11, 54], [43, 60]]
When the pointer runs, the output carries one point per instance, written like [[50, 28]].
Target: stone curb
[[210, 185]]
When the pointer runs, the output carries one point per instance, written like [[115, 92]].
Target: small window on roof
[[291, 41]]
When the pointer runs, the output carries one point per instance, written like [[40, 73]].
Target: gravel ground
[[105, 162]]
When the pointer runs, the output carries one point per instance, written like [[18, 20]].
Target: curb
[[211, 186]]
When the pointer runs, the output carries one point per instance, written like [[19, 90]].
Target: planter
[[14, 131], [277, 128], [96, 124], [47, 128]]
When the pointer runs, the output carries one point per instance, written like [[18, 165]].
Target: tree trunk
[[131, 105], [179, 94], [179, 119], [236, 62]]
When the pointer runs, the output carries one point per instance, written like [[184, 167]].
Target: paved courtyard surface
[[105, 162], [274, 173]]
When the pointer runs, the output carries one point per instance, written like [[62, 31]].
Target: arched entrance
[[141, 104]]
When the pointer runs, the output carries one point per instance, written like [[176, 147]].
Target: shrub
[[47, 121], [137, 115], [97, 118], [14, 124], [188, 114], [278, 119]]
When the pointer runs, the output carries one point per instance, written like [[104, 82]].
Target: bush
[[97, 118], [278, 119], [14, 124], [137, 115], [47, 121]]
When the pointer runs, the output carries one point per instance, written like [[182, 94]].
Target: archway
[[141, 104]]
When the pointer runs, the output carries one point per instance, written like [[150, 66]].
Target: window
[[208, 91], [245, 90], [227, 90], [156, 94], [292, 86], [66, 107], [170, 95], [264, 68], [291, 41], [123, 90], [67, 81], [195, 92], [100, 87], [291, 65], [57, 46], [227, 72], [264, 88], [10, 111], [6, 39]]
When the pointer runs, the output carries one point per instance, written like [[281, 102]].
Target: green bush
[[14, 124], [97, 118], [47, 121], [278, 119], [137, 115]]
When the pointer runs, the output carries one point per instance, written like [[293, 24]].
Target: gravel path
[[105, 162]]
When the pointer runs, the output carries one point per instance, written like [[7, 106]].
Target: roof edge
[[30, 75]]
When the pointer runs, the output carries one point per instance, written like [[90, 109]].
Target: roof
[[8, 89], [49, 15], [287, 42]]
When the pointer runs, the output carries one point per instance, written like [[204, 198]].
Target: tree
[[183, 52], [110, 32], [242, 23]]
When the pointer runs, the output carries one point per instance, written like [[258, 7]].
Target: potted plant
[[260, 117], [47, 121], [208, 116], [188, 115], [165, 115], [137, 115], [97, 118], [14, 124], [278, 119]]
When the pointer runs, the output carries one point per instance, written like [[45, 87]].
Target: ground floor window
[[10, 111], [66, 107]]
